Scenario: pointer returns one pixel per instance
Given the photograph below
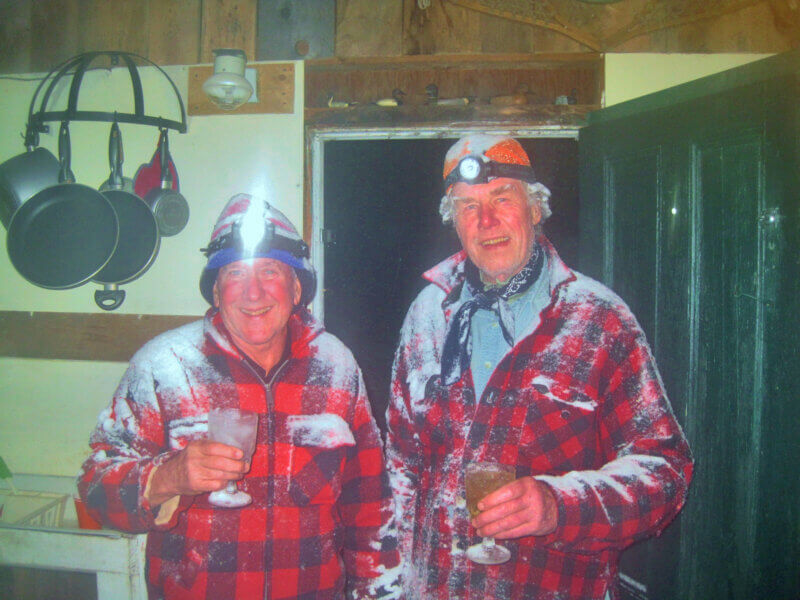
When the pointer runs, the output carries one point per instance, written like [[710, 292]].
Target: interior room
[[357, 166]]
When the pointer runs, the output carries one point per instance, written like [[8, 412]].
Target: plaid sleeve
[[644, 482], [402, 452], [126, 445], [365, 506]]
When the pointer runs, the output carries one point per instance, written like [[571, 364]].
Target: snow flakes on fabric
[[324, 431], [560, 413]]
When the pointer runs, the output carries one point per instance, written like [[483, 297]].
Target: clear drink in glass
[[234, 427]]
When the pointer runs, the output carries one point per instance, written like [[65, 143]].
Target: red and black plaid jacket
[[578, 403], [321, 521]]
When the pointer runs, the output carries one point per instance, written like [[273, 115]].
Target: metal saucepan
[[168, 205], [23, 176], [138, 233], [65, 233]]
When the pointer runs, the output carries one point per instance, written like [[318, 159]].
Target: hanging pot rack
[[39, 115]]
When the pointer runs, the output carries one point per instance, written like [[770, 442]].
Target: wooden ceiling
[[35, 35]]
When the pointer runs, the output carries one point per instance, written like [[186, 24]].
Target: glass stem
[[488, 543], [231, 488]]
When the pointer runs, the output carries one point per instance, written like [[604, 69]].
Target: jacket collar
[[449, 274], [303, 328]]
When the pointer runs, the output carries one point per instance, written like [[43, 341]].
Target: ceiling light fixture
[[227, 87]]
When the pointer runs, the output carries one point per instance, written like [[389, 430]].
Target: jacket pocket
[[560, 429], [310, 455]]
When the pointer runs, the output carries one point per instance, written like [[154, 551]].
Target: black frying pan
[[138, 233], [64, 234]]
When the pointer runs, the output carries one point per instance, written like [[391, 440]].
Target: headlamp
[[270, 241], [474, 169]]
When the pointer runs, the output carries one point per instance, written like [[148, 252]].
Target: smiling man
[[510, 357], [320, 524]]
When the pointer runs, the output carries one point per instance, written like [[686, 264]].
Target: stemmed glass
[[481, 479], [238, 428]]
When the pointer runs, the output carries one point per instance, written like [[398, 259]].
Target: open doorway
[[376, 229]]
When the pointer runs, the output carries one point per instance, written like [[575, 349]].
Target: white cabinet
[[117, 559]]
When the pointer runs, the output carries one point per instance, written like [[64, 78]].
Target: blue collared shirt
[[488, 344]]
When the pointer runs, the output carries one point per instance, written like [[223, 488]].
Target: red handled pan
[[65, 233], [148, 175], [166, 202], [138, 233]]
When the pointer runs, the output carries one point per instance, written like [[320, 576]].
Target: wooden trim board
[[80, 336]]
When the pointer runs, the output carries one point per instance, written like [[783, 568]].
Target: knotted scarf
[[457, 351]]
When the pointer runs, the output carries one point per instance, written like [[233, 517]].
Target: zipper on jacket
[[270, 454]]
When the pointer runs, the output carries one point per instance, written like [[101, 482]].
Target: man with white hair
[[511, 358], [320, 524]]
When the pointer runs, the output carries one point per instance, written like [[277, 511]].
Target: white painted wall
[[629, 76], [48, 408]]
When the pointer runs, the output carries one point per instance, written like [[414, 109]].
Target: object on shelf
[[432, 93], [564, 99], [395, 100], [573, 97], [522, 95], [332, 103]]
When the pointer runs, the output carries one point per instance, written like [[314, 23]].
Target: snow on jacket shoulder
[[578, 404], [321, 521]]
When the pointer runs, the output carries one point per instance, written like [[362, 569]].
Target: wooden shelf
[[481, 78], [451, 61], [373, 116]]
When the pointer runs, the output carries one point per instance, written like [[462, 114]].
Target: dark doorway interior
[[383, 229]]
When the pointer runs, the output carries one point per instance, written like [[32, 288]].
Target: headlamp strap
[[472, 169]]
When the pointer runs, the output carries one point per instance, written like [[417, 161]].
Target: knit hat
[[478, 157], [250, 228]]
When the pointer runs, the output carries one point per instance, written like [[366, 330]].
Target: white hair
[[538, 194]]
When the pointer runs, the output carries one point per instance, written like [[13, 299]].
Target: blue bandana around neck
[[457, 351]]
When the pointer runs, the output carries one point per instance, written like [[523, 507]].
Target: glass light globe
[[227, 87]]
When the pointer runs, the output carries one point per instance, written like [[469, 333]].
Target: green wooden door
[[689, 210]]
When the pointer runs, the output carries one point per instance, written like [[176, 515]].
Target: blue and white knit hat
[[250, 228]]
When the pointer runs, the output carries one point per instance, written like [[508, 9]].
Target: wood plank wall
[[35, 35]]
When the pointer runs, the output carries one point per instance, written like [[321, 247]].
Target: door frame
[[316, 138]]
